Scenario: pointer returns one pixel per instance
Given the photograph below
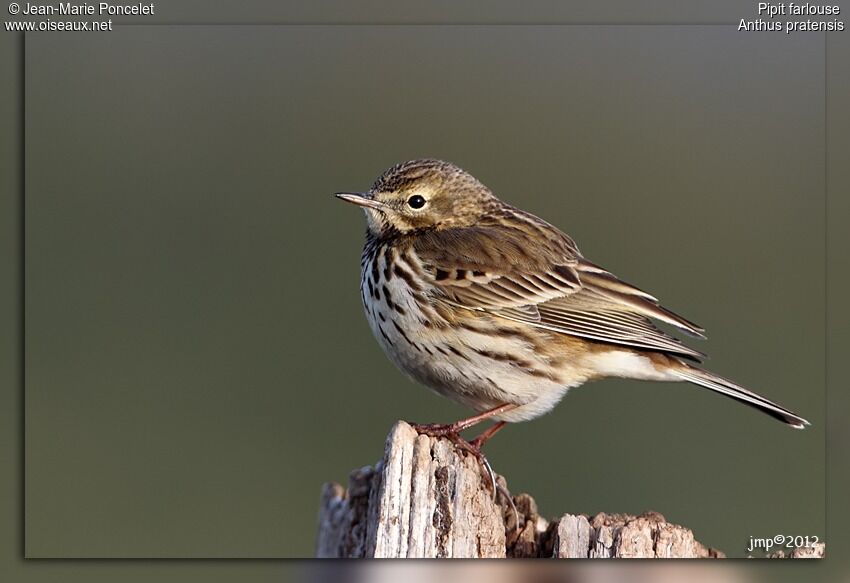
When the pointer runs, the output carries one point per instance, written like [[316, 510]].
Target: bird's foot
[[473, 448], [451, 432], [435, 429]]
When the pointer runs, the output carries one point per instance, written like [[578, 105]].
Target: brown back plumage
[[548, 285], [486, 255]]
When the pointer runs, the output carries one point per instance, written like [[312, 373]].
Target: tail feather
[[726, 387]]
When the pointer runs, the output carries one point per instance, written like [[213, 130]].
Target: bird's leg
[[477, 443], [485, 436], [444, 430], [474, 448], [452, 431]]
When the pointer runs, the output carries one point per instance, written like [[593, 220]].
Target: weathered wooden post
[[427, 499]]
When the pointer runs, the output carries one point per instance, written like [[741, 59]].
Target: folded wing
[[533, 273]]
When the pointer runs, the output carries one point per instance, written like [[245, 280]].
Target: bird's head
[[422, 194]]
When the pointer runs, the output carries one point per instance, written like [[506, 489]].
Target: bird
[[496, 309]]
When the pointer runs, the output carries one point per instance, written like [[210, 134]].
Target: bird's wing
[[538, 277]]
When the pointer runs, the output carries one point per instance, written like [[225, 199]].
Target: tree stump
[[426, 499]]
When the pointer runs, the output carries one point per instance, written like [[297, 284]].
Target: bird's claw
[[473, 447], [435, 429]]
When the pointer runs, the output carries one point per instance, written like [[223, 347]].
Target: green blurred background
[[197, 361]]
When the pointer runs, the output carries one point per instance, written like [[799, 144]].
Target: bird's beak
[[363, 199]]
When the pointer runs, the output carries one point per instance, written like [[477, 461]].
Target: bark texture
[[426, 499]]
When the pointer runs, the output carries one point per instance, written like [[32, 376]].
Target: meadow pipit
[[497, 309]]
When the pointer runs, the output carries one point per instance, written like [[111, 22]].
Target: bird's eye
[[416, 201]]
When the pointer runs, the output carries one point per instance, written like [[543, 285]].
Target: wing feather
[[550, 286]]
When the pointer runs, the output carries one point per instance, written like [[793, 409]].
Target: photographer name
[[101, 8]]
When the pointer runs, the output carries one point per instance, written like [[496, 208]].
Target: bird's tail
[[726, 387]]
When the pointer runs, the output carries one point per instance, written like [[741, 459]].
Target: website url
[[54, 25]]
